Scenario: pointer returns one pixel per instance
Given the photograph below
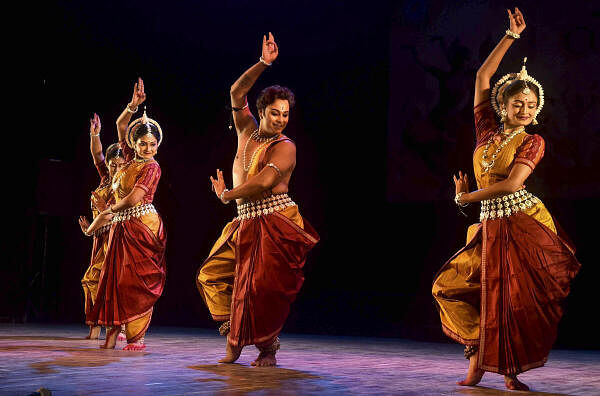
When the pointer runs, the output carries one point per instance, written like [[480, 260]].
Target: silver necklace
[[264, 140], [487, 165]]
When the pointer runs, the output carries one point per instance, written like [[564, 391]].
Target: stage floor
[[183, 362]]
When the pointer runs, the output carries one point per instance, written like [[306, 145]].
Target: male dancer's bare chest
[[246, 152]]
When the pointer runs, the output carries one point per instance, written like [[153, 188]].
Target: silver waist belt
[[133, 212], [274, 203], [102, 229], [507, 205]]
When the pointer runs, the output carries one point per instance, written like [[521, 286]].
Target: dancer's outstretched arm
[[282, 162], [135, 196], [95, 143], [489, 67], [101, 220], [97, 157], [242, 117], [138, 97], [513, 183]]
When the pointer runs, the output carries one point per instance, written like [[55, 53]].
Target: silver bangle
[[130, 110], [457, 200], [264, 62], [221, 197], [95, 134], [512, 34]]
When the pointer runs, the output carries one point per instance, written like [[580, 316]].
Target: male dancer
[[254, 270]]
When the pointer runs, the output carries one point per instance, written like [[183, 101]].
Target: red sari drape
[[271, 252]]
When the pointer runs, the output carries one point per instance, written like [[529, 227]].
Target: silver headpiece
[[507, 79], [147, 122]]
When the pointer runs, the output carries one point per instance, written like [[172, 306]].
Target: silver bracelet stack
[[512, 34], [221, 197], [457, 200], [264, 62]]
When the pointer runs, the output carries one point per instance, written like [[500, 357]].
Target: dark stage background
[[383, 119]]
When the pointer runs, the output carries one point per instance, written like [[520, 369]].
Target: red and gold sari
[[133, 276], [254, 271], [504, 290]]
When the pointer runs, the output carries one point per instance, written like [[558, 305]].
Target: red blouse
[[529, 152]]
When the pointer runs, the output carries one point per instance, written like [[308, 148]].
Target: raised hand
[[218, 185], [95, 125], [517, 22], [139, 95], [269, 49], [461, 182], [98, 202], [83, 223]]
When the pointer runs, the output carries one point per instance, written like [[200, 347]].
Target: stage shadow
[[485, 391], [239, 379], [75, 357]]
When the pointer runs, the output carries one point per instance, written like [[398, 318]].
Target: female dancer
[[107, 167], [501, 294], [134, 270]]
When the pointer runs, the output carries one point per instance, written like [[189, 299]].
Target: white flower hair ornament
[[509, 78]]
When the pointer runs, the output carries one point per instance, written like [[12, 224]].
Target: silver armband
[[272, 165]]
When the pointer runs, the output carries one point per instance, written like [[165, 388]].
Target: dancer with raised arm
[[134, 270], [501, 295], [254, 270], [107, 166]]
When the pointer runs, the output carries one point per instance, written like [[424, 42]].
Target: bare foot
[[474, 374], [233, 354], [111, 337], [135, 346], [265, 359], [94, 333], [513, 383]]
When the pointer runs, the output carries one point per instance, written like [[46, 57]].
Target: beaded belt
[[102, 229], [274, 203], [507, 205], [134, 211]]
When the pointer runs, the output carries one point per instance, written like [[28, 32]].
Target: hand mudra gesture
[[95, 125], [517, 22], [269, 49], [218, 184], [139, 94], [83, 223], [98, 202], [461, 183]]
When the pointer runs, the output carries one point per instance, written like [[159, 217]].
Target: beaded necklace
[[487, 165], [261, 139]]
